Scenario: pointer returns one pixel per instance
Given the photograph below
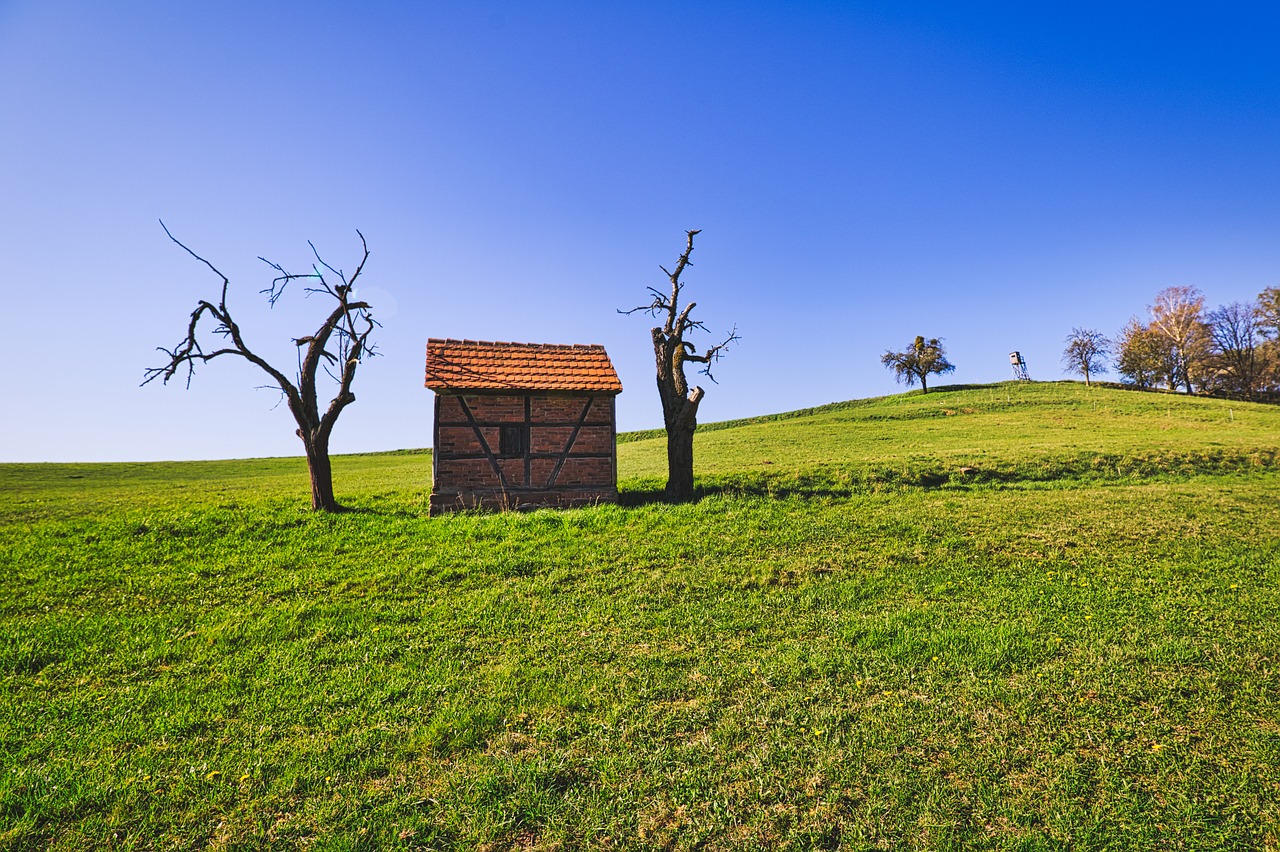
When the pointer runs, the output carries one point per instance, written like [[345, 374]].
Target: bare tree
[[918, 361], [1086, 352], [1238, 359], [671, 352], [337, 347], [1177, 316]]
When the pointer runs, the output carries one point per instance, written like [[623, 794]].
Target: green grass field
[[1007, 617]]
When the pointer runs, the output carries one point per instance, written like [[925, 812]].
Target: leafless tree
[[1086, 352], [918, 361], [337, 346], [1240, 363], [671, 352]]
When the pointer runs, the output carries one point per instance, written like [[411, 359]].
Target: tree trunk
[[680, 416], [680, 463], [321, 472], [924, 384], [671, 353]]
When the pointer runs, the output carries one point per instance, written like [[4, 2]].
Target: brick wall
[[504, 409], [585, 471], [456, 440], [465, 475]]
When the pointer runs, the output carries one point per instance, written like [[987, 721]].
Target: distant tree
[[671, 352], [1141, 356], [1238, 361], [1268, 380], [338, 346], [1268, 313], [1086, 352], [918, 361], [1268, 319], [1177, 317]]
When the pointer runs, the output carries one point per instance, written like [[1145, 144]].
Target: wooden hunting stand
[[1020, 373]]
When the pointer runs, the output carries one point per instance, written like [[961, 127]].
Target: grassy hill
[[1009, 430], [1012, 616]]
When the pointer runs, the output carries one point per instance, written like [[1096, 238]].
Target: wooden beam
[[564, 454], [484, 445]]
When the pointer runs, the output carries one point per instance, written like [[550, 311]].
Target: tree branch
[[189, 351]]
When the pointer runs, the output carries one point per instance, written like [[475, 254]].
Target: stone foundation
[[519, 500]]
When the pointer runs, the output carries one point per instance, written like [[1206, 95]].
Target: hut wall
[[526, 450]]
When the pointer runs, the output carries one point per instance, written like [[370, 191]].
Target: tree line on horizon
[[1233, 349]]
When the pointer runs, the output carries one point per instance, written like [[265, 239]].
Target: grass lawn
[[1006, 617]]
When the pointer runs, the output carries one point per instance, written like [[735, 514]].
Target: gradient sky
[[992, 174]]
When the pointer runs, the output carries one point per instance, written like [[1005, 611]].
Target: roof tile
[[462, 365]]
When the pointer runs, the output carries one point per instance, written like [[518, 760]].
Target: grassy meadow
[[995, 617]]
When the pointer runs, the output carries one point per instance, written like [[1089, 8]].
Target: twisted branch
[[349, 325]]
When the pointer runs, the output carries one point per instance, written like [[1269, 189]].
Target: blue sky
[[992, 174]]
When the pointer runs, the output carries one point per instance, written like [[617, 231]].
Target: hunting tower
[[1020, 373]]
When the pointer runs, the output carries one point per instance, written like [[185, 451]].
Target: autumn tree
[[918, 361], [1141, 356], [671, 353], [1268, 313], [1086, 352], [1177, 317], [337, 347], [1268, 320]]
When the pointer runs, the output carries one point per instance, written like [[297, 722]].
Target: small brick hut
[[522, 425]]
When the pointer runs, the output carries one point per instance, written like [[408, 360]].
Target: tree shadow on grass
[[948, 388], [834, 482], [809, 486]]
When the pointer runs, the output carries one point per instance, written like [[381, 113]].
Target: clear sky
[[991, 174]]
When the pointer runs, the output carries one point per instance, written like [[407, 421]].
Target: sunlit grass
[[856, 646], [999, 425]]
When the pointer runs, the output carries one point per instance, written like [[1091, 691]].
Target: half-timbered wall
[[523, 450]]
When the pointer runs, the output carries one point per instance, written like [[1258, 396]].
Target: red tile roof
[[464, 365]]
